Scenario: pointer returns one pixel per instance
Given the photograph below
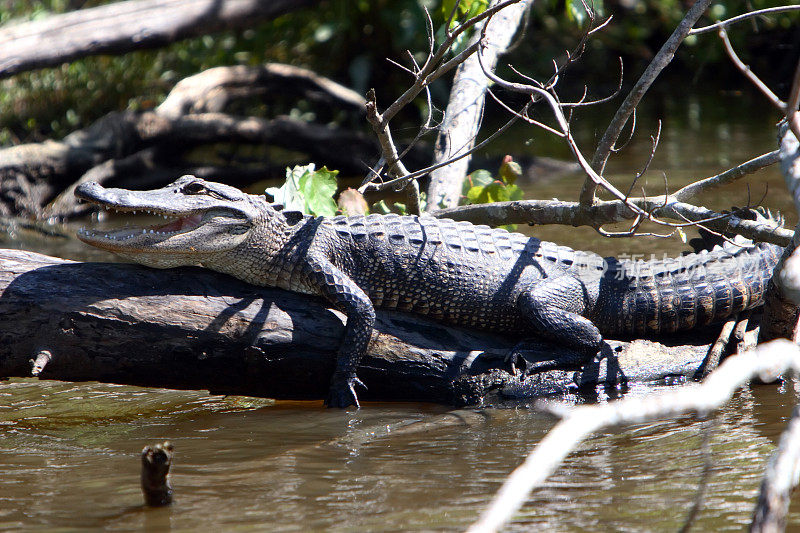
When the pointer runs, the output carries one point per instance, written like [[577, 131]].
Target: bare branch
[[760, 85], [433, 67], [419, 173], [602, 25], [741, 18], [766, 362], [729, 176], [540, 212], [121, 27], [429, 71], [562, 122], [654, 140], [792, 116], [659, 62], [523, 115]]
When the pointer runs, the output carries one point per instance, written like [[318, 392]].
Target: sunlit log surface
[[191, 328]]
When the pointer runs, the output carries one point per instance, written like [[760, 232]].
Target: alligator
[[453, 272]]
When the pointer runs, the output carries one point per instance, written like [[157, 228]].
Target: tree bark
[[122, 27], [202, 330], [464, 113], [782, 298]]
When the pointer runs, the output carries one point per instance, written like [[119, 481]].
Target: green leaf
[[400, 208], [381, 208], [470, 8], [576, 11], [308, 190], [476, 7], [514, 192], [478, 178], [481, 177], [318, 188], [475, 195], [497, 192]]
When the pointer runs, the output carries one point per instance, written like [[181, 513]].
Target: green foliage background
[[350, 42]]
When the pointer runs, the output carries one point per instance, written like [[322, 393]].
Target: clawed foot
[[343, 392], [520, 365], [514, 360]]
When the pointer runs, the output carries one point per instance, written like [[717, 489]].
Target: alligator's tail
[[663, 296]]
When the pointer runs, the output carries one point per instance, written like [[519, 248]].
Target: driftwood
[[123, 27], [30, 174], [191, 328], [156, 462], [135, 149], [211, 90]]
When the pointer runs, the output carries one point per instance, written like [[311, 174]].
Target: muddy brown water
[[69, 451]]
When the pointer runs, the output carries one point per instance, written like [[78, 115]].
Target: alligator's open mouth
[[197, 221], [176, 224], [201, 230]]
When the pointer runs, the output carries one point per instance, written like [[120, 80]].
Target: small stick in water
[[156, 461]]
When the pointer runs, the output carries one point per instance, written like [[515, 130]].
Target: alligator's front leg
[[348, 297]]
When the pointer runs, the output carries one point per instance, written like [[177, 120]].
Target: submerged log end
[[156, 461]]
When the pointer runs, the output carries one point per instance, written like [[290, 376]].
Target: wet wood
[[156, 462], [191, 328]]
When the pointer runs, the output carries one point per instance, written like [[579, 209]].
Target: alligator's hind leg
[[554, 307]]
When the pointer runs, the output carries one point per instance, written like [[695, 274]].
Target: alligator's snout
[[88, 191]]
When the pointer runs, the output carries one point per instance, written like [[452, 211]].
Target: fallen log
[[31, 174], [141, 148], [191, 328], [123, 27]]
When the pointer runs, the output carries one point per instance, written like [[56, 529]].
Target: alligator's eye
[[194, 187]]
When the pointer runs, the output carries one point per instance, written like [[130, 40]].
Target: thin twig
[[654, 146], [729, 176], [419, 173], [749, 74], [740, 18], [433, 67], [562, 122], [424, 75]]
